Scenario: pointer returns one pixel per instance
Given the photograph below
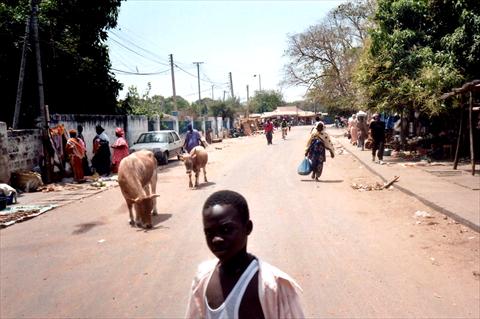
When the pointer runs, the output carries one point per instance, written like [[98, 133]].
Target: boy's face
[[225, 232]]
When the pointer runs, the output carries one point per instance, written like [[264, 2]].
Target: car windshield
[[153, 138]]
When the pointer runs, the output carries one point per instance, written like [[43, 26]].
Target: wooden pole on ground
[[470, 122], [459, 138]]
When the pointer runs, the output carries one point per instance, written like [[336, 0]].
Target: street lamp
[[259, 81]]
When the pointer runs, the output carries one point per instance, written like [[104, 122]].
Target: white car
[[164, 144]]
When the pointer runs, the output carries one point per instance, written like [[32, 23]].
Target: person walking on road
[[315, 151], [362, 129], [238, 284], [75, 149], [317, 120], [268, 131], [284, 126], [192, 139], [101, 152], [120, 149], [377, 130], [352, 129]]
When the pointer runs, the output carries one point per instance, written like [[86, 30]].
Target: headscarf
[[119, 132], [99, 128], [320, 123], [72, 132]]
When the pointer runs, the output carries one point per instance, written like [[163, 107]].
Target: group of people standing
[[103, 163], [359, 130]]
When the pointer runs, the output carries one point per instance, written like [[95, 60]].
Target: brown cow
[[137, 177], [196, 160]]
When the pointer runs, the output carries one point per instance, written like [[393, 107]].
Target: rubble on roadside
[[376, 186]]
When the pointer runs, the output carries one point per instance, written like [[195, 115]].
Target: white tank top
[[229, 308]]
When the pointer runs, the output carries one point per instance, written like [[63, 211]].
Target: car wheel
[[164, 159]]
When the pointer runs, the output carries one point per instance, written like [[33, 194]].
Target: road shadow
[[156, 220], [331, 181], [323, 181], [203, 185], [160, 218], [83, 228]]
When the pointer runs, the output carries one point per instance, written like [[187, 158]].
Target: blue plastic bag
[[305, 167]]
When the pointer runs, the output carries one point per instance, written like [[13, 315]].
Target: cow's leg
[[205, 175], [197, 173], [130, 212], [138, 216], [190, 180]]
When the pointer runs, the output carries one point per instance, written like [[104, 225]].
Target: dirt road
[[355, 254]]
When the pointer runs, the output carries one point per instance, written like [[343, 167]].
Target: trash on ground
[[98, 184], [16, 214], [101, 241], [421, 213]]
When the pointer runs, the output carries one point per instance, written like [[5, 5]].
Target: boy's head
[[227, 224]]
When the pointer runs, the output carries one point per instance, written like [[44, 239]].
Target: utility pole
[[21, 76], [231, 84], [224, 95], [174, 97], [198, 78], [259, 81], [248, 94], [212, 92], [41, 98], [44, 120], [199, 96]]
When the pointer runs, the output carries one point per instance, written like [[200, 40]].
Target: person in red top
[[269, 131], [120, 149], [75, 149]]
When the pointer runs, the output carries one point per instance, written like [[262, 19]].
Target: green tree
[[266, 101], [418, 50], [75, 61]]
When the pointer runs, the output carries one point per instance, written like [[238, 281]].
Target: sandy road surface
[[356, 254]]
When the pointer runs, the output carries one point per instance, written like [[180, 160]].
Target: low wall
[[19, 150]]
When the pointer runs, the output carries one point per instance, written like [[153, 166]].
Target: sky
[[246, 38]]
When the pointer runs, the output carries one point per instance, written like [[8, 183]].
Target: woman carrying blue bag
[[315, 151]]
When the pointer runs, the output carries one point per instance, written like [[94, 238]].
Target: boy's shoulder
[[272, 276]]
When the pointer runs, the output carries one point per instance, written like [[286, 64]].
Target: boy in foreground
[[238, 284]]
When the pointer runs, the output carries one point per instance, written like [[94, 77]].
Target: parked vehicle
[[234, 132], [164, 144]]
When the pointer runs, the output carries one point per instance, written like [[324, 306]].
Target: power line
[[124, 46], [138, 73], [139, 47]]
